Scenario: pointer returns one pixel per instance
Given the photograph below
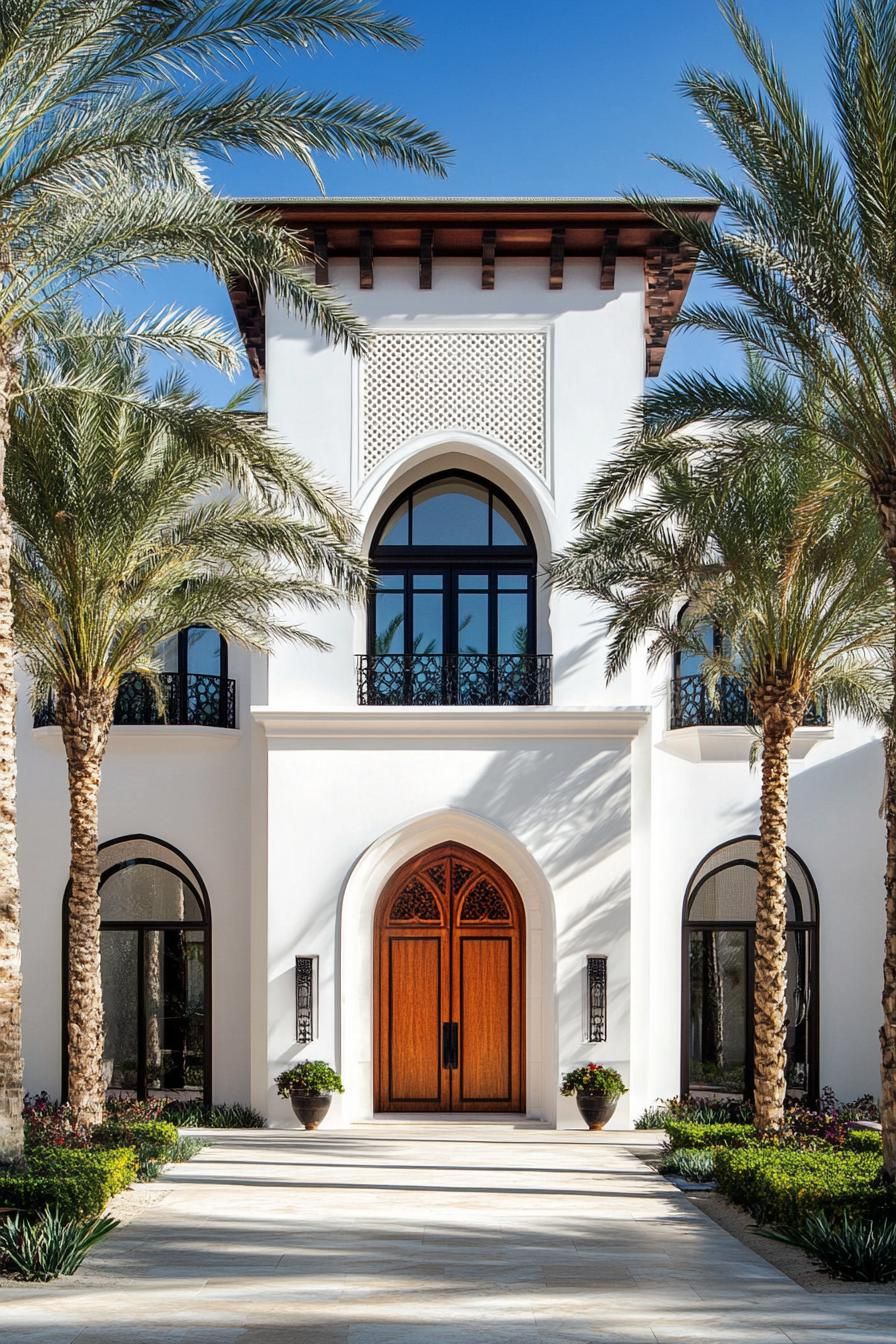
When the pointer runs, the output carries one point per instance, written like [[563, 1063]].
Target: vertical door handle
[[449, 1045]]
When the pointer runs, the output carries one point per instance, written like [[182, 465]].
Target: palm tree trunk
[[888, 1028], [770, 977], [85, 718], [884, 493], [11, 1129]]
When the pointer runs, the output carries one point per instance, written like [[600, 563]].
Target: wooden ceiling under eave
[[428, 229]]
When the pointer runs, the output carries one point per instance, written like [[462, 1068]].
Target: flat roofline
[[699, 202]]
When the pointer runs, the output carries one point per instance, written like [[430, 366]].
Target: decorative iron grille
[[197, 699], [306, 999], [693, 705], [596, 999], [461, 679]]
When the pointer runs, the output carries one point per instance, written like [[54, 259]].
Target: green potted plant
[[596, 1089], [309, 1086]]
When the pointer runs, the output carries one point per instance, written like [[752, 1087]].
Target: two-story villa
[[447, 855]]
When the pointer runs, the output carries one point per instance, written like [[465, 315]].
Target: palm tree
[[804, 244], [799, 591], [136, 515], [109, 110]]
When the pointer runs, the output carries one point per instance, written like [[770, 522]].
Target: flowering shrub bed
[[49, 1124], [818, 1184]]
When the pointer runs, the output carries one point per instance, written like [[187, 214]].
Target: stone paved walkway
[[400, 1234]]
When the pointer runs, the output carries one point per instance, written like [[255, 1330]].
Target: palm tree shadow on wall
[[570, 807]]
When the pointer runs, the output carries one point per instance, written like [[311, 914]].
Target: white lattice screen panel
[[484, 382]]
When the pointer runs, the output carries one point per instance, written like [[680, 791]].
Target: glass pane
[[505, 528], [718, 1032], [472, 622], [473, 583], [204, 651], [388, 635], [118, 953], [450, 513], [427, 615], [396, 530], [513, 622], [144, 891], [798, 1004], [729, 896], [689, 664], [174, 988], [168, 654]]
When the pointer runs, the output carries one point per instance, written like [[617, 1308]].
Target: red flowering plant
[[595, 1079], [129, 1110], [49, 1124]]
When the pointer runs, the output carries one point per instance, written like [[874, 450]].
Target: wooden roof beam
[[426, 258], [365, 258], [321, 257], [489, 241], [558, 249], [608, 257]]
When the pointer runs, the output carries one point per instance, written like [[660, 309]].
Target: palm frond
[[138, 511]]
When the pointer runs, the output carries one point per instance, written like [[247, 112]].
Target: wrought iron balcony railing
[[460, 679], [694, 707], [197, 699]]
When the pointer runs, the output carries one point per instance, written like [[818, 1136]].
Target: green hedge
[[688, 1134], [78, 1181], [154, 1141], [784, 1185], [864, 1141]]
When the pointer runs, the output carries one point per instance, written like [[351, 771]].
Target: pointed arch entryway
[[449, 986]]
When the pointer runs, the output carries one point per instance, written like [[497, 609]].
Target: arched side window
[[452, 618], [692, 704], [155, 937], [717, 974], [195, 686]]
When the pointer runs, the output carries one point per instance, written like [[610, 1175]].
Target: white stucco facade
[[592, 806]]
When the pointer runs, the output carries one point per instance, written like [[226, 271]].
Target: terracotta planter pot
[[594, 1108], [309, 1107]]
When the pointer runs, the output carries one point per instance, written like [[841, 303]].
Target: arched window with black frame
[[452, 616], [155, 938], [692, 703], [194, 684], [719, 937]]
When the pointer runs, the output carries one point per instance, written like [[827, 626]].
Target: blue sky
[[536, 99]]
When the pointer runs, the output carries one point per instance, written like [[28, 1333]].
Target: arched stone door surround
[[363, 887]]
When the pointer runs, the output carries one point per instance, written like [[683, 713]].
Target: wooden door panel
[[415, 1021], [485, 1017], [449, 937]]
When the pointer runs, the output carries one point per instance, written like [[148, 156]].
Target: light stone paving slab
[[419, 1233]]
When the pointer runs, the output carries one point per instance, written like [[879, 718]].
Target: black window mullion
[[141, 1014], [183, 664], [493, 634], [222, 681], [407, 646], [531, 634], [450, 646], [749, 1062]]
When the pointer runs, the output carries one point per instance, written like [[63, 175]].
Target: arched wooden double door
[[449, 987]]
